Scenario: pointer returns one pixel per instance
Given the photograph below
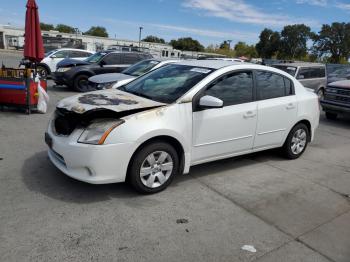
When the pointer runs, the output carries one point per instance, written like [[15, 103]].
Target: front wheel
[[153, 167], [81, 83], [320, 94], [296, 141]]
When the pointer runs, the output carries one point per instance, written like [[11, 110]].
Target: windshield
[[288, 69], [49, 53], [140, 68], [95, 58], [168, 83]]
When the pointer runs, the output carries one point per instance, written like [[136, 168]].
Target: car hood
[[110, 99], [341, 84], [111, 77], [69, 62]]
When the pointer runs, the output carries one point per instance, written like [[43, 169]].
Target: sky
[[209, 21]]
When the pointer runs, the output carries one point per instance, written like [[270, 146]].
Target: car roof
[[296, 64], [74, 49], [213, 64]]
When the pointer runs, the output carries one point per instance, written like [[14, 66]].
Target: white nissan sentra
[[177, 116]]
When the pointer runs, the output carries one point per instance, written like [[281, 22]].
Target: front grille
[[339, 95]]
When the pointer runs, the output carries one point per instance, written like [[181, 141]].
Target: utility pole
[[140, 36]]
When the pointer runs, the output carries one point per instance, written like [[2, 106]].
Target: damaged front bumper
[[95, 164]]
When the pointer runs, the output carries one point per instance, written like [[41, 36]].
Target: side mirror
[[53, 56], [301, 76], [207, 102], [102, 63]]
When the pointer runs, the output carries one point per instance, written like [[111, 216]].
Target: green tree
[[187, 44], [269, 44], [242, 49], [333, 40], [225, 45], [153, 39], [46, 27], [97, 31], [294, 41], [65, 29]]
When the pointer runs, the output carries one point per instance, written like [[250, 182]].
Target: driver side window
[[233, 89]]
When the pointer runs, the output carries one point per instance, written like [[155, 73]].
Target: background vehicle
[[75, 73], [339, 74], [177, 116], [114, 80], [49, 63], [337, 99], [311, 75]]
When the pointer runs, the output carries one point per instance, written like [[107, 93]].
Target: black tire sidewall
[[41, 68], [140, 156], [76, 83], [287, 145]]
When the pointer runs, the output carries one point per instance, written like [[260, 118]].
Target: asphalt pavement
[[285, 210]]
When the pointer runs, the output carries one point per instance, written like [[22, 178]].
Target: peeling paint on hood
[[111, 99]]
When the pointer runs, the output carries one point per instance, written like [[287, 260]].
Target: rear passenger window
[[112, 59], [130, 59], [233, 89], [270, 85], [289, 86]]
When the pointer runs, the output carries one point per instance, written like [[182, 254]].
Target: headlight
[[97, 132], [106, 85], [63, 69]]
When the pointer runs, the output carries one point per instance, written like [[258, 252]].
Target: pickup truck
[[336, 99]]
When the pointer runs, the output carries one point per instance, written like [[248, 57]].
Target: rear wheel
[[296, 141], [153, 167], [81, 83], [43, 71], [331, 116]]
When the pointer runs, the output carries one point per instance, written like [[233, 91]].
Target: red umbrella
[[33, 45]]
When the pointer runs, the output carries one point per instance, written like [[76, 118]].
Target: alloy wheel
[[298, 141], [156, 169]]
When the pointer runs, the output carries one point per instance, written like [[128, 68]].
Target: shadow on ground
[[40, 175]]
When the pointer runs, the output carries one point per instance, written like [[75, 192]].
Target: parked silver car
[[311, 75]]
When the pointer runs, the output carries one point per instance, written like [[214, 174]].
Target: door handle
[[249, 114], [290, 106]]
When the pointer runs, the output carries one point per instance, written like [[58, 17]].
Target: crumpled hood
[[110, 99], [69, 62], [111, 77]]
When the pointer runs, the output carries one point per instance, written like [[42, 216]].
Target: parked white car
[[177, 116], [52, 58], [114, 80]]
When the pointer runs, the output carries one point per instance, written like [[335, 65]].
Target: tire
[[158, 172], [320, 94], [43, 71], [296, 142], [81, 83], [331, 116]]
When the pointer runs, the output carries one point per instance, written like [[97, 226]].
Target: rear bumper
[[336, 107]]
